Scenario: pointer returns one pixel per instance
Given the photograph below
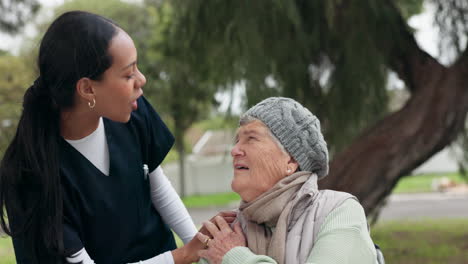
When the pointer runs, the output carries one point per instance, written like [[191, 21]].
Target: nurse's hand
[[224, 239]]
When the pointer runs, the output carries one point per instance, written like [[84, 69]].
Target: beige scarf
[[271, 209]]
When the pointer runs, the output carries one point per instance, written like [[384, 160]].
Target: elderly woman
[[278, 157]]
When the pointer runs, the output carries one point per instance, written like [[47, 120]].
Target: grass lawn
[[428, 242], [218, 199], [6, 251], [415, 242]]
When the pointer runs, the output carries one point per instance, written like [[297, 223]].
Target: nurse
[[81, 180]]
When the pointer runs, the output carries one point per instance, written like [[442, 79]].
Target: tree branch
[[431, 119], [406, 58]]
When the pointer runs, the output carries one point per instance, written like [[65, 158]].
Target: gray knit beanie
[[297, 129]]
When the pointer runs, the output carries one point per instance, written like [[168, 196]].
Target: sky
[[426, 34]]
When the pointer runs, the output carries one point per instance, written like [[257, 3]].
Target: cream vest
[[307, 217]]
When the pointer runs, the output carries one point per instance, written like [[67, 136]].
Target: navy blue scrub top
[[113, 216]]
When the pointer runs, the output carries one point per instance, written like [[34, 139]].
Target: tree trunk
[[431, 119], [179, 139]]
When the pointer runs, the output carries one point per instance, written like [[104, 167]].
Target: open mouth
[[240, 167]]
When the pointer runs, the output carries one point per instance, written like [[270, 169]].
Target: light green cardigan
[[343, 238]]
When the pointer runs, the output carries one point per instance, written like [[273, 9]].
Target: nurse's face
[[116, 93]]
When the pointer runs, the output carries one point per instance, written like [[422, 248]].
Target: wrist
[[182, 255], [179, 255]]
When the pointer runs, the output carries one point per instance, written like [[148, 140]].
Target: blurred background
[[387, 79]]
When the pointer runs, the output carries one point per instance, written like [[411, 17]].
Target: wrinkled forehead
[[255, 127], [258, 129]]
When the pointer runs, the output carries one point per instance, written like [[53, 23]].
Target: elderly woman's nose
[[236, 151]]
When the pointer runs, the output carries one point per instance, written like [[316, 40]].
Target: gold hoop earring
[[92, 105]]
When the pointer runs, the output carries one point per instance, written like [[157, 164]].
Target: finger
[[228, 213], [224, 214], [203, 230], [201, 237], [223, 225], [238, 228], [209, 243], [212, 228], [229, 220]]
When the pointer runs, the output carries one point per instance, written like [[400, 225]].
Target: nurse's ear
[[85, 90]]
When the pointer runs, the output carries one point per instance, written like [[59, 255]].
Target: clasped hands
[[212, 241], [220, 240]]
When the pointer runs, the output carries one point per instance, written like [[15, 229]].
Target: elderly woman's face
[[258, 161]]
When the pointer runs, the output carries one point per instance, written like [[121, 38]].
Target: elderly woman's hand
[[228, 216], [224, 239], [189, 252]]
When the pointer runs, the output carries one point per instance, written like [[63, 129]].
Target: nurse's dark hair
[[75, 45]]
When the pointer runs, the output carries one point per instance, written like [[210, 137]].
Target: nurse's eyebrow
[[130, 65]]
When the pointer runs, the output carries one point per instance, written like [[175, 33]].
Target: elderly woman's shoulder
[[342, 206], [330, 200], [351, 212]]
